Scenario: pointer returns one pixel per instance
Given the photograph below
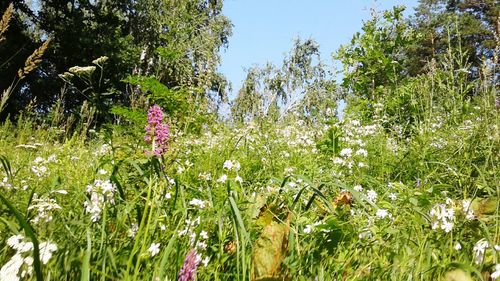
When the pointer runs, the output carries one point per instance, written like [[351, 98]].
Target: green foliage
[[183, 44], [175, 102], [176, 41], [472, 25], [300, 86], [129, 115], [375, 58]]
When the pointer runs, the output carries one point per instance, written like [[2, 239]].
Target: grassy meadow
[[152, 182]]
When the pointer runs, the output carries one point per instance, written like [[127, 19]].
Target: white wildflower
[[46, 250], [132, 231], [154, 249], [22, 258], [447, 226], [238, 179], [100, 192], [346, 152], [228, 164], [392, 196], [479, 250], [382, 213], [205, 261], [358, 188], [204, 234], [9, 272], [222, 179], [443, 216], [44, 208], [308, 229], [180, 170], [495, 274], [469, 213], [362, 152], [371, 195], [198, 203]]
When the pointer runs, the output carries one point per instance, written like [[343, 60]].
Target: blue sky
[[264, 30]]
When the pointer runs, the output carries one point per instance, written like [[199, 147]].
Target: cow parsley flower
[[100, 60], [39, 168], [10, 271], [46, 250], [82, 70]]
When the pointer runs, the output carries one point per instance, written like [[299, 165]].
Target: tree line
[[168, 52]]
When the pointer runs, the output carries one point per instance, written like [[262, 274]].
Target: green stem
[[139, 232]]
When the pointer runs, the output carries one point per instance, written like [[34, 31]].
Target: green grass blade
[[86, 259]]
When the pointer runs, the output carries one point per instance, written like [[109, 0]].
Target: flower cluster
[[100, 192], [103, 150], [82, 70], [354, 154], [5, 183], [443, 216], [383, 213], [39, 167], [157, 133], [21, 264], [231, 165], [188, 270], [99, 61], [197, 241], [371, 195], [44, 208]]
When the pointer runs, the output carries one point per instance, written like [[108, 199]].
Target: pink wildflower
[[157, 133], [188, 270]]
